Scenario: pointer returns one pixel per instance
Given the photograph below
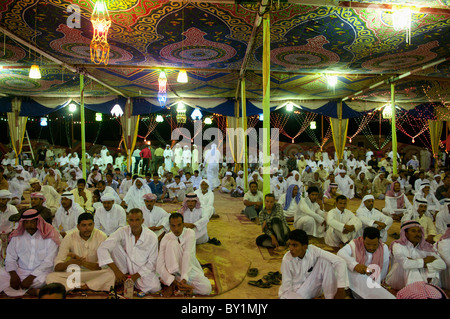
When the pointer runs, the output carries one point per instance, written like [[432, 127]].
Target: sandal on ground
[[260, 283], [252, 272], [214, 241]]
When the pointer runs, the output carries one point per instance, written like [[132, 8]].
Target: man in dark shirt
[[157, 186], [373, 163], [146, 156], [443, 191]]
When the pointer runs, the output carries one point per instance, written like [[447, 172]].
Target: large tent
[[239, 55]]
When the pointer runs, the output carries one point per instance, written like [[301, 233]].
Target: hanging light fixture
[[35, 73], [98, 117], [387, 111], [196, 115], [332, 80], [101, 23], [159, 119], [43, 121], [312, 125], [181, 112], [182, 75], [208, 121], [162, 94], [261, 117], [116, 111], [289, 107], [401, 20]]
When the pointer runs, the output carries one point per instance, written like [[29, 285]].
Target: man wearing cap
[[345, 183], [110, 216], [372, 217], [367, 259], [195, 217], [29, 256], [52, 197], [155, 218], [419, 214], [132, 250], [78, 250], [228, 183], [66, 216], [177, 263], [413, 258]]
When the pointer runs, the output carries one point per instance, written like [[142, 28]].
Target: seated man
[[177, 262], [206, 197], [308, 270], [396, 202], [157, 187], [273, 225], [413, 258], [419, 213], [371, 216], [345, 183], [443, 248], [290, 202], [343, 225], [195, 217], [443, 217], [239, 191], [309, 217], [83, 196], [110, 216], [66, 216], [421, 290], [329, 197], [155, 218], [133, 198], [132, 250], [78, 252], [362, 185], [52, 197], [29, 256], [103, 189], [177, 190], [253, 201], [367, 260], [379, 186], [188, 182], [228, 183]]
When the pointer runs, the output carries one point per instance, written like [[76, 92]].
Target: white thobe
[[156, 217], [97, 280], [206, 201], [443, 247], [67, 220], [368, 218], [28, 255], [5, 225], [168, 153], [362, 285], [391, 207], [133, 256], [336, 220], [307, 277], [442, 220], [110, 190], [407, 266], [177, 260], [309, 217], [344, 184], [200, 219], [293, 206], [110, 221]]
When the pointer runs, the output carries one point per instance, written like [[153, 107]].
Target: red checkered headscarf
[[47, 230], [421, 290]]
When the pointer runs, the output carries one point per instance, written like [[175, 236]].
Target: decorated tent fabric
[[356, 41]]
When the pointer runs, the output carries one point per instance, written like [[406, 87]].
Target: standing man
[[159, 157], [146, 156], [137, 158]]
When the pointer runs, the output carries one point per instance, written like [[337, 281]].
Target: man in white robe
[[155, 218], [78, 251], [372, 217], [52, 197], [134, 197], [413, 258], [443, 248], [110, 216], [443, 217], [168, 154], [195, 159], [206, 197], [132, 250], [103, 189], [66, 216], [346, 184], [195, 217], [343, 225], [30, 255], [177, 190], [187, 156], [309, 216], [367, 259], [177, 262], [178, 155], [307, 271], [290, 201]]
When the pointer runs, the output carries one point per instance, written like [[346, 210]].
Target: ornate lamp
[[101, 23]]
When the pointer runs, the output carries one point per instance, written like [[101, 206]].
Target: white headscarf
[[134, 196]]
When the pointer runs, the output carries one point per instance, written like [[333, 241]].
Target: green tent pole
[[266, 103], [83, 136], [394, 131], [244, 129]]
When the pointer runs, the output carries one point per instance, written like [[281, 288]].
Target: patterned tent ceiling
[[218, 42]]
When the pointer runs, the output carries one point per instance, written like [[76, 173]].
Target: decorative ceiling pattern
[[214, 41]]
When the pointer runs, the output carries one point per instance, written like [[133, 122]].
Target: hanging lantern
[[117, 111], [208, 121], [98, 117], [261, 117], [387, 112], [332, 80], [312, 125], [72, 107], [289, 107], [43, 121], [35, 73], [401, 20], [162, 93], [159, 119], [182, 77], [181, 112], [196, 115], [101, 23]]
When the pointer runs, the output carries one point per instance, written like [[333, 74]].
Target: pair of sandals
[[214, 241], [272, 278]]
